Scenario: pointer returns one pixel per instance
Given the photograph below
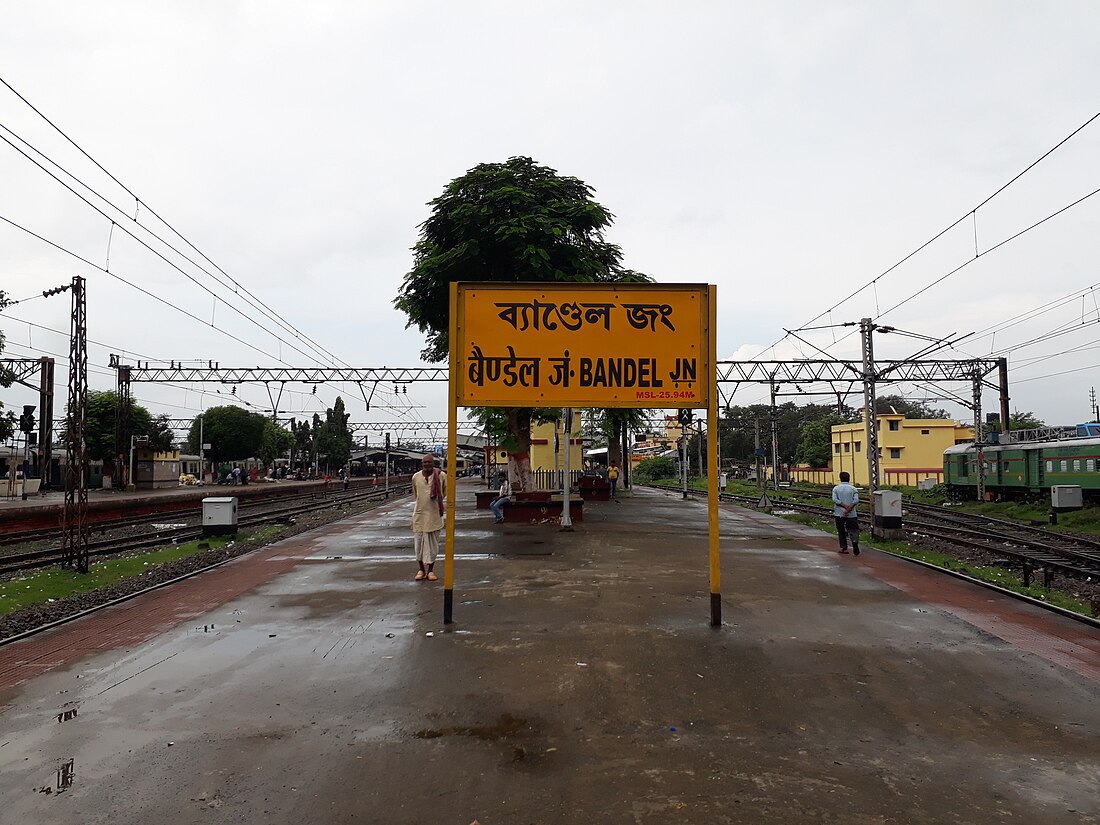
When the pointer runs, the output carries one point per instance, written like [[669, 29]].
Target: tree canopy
[[908, 407], [331, 437], [505, 223], [102, 416], [816, 446], [232, 432]]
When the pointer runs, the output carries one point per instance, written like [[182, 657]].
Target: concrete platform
[[581, 683]]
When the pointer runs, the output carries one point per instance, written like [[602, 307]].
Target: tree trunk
[[615, 443], [519, 462]]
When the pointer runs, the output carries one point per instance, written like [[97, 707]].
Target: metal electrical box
[[219, 516], [886, 514], [1065, 497]]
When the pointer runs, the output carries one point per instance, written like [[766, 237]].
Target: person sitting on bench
[[503, 497]]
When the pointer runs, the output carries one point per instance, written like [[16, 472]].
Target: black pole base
[[448, 606], [715, 609]]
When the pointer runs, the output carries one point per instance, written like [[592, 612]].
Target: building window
[[895, 452], [925, 432], [894, 425], [836, 448], [859, 446], [847, 447]]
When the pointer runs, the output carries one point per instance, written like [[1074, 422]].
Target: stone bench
[[528, 512], [594, 488]]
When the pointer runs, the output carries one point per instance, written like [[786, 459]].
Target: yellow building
[[542, 448], [909, 450]]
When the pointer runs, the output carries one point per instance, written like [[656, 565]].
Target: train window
[[963, 467], [1005, 466], [1090, 465], [1063, 465], [1076, 465]]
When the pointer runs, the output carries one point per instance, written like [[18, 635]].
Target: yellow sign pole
[[712, 463], [452, 464]]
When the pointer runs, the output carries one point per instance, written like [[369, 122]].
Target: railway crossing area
[[315, 681]]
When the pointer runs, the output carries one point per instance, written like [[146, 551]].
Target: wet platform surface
[[581, 682]]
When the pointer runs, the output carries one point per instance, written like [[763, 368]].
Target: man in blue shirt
[[845, 502]]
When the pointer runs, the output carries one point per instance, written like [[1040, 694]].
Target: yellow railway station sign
[[583, 345]]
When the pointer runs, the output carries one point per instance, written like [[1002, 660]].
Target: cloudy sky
[[789, 152]]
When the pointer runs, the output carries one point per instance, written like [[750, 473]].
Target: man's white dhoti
[[426, 546]]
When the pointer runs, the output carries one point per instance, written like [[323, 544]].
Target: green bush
[[653, 469]]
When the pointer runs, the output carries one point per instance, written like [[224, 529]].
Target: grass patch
[[55, 584]]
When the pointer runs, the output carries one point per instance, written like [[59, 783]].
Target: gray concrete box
[[886, 510], [219, 515], [1065, 497]]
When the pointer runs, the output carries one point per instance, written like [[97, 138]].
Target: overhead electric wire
[[98, 268], [115, 222], [968, 214], [139, 202], [156, 252]]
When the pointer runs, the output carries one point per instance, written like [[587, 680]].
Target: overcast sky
[[787, 152]]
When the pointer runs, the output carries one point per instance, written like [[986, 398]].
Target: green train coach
[[1029, 467]]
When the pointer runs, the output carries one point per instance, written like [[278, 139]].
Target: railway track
[[14, 563], [1036, 550]]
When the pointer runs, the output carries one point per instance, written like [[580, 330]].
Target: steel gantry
[[21, 371], [274, 379], [866, 372]]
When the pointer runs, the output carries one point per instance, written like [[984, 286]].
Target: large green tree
[[102, 417], [507, 222], [232, 432], [910, 408], [274, 442], [816, 446], [332, 437]]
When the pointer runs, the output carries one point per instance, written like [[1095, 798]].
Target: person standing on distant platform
[[613, 477], [845, 502], [430, 495]]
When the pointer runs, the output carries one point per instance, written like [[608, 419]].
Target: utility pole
[[684, 417], [1006, 418], [699, 447], [123, 400], [978, 445], [74, 532], [1092, 404], [866, 327], [566, 516], [202, 453], [775, 438], [45, 423], [759, 453], [388, 464]]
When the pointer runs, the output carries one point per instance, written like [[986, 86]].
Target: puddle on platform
[[506, 725], [66, 774]]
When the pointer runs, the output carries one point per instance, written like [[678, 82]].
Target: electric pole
[[866, 327], [74, 532]]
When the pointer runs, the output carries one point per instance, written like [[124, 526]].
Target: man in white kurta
[[430, 494]]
